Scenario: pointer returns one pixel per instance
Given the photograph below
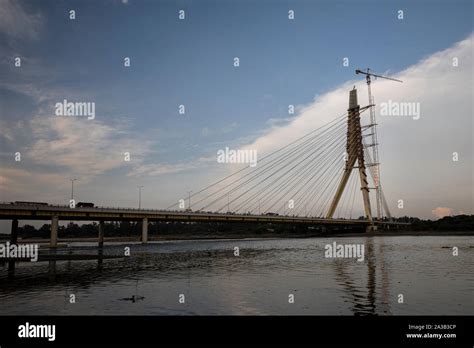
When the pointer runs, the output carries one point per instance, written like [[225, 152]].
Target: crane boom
[[368, 73]]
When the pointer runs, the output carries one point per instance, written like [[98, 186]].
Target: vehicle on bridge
[[29, 203], [85, 205]]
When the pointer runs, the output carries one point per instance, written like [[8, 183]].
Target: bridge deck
[[25, 212]]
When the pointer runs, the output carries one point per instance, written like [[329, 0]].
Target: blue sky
[[190, 62]]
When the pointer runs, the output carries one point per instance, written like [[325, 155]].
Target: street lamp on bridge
[[189, 198], [140, 197], [72, 188]]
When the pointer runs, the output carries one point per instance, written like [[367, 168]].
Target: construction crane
[[380, 198], [368, 74]]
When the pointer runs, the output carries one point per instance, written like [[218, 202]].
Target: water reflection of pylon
[[371, 305]]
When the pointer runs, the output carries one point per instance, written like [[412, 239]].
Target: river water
[[262, 280]]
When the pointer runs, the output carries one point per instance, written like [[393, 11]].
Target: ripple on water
[[258, 281]]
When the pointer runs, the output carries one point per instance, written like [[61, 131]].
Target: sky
[[190, 62]]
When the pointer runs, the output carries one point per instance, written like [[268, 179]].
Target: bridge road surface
[[15, 212]]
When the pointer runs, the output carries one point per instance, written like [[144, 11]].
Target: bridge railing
[[105, 208]]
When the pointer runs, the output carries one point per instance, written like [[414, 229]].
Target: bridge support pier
[[13, 240], [371, 228], [14, 235], [101, 234], [53, 241], [145, 231]]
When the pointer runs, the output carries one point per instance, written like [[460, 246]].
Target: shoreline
[[231, 236]]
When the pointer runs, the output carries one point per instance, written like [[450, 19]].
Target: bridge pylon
[[354, 152]]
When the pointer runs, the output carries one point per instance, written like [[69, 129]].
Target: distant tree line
[[132, 228], [448, 223]]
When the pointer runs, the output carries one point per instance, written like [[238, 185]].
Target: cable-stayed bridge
[[317, 179], [319, 175]]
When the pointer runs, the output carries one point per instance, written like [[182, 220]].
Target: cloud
[[82, 147], [415, 155], [18, 24], [160, 168], [424, 82], [6, 132], [207, 131], [65, 147], [20, 181], [441, 212], [152, 169], [278, 122]]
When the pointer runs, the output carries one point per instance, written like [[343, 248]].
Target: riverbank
[[225, 236]]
